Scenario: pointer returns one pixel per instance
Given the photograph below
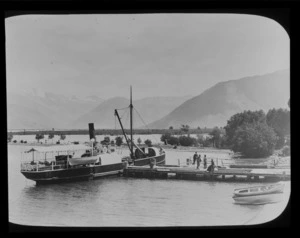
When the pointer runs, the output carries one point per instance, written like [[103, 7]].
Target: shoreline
[[191, 149]]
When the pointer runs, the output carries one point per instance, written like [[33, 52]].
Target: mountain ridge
[[150, 109], [227, 98]]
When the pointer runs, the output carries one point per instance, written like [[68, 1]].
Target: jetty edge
[[190, 173]]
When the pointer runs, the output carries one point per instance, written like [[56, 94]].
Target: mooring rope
[[122, 108], [146, 125]]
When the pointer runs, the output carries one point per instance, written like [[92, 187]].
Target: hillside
[[150, 109], [48, 110], [216, 105]]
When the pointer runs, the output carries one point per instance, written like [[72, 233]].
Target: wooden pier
[[224, 174]]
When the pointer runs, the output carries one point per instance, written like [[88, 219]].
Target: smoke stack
[[92, 131]]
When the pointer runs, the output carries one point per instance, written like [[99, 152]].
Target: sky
[[158, 54]]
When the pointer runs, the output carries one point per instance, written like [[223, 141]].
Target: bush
[[173, 140], [165, 138], [187, 141], [119, 140], [168, 139], [51, 136], [243, 118], [286, 151], [204, 141], [15, 141], [280, 142], [9, 137], [216, 137], [254, 140], [287, 141], [148, 142], [38, 137], [279, 120], [106, 140]]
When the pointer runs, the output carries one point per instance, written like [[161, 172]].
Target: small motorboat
[[259, 194]]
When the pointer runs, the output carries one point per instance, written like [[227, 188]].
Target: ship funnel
[[92, 131]]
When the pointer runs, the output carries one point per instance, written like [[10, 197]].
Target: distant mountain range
[[146, 110], [44, 110], [213, 107], [32, 110], [217, 104]]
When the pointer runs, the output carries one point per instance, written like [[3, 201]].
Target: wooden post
[[52, 164], [68, 160], [21, 160]]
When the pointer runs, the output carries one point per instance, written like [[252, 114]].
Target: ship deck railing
[[46, 166]]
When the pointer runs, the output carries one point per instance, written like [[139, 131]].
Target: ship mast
[[131, 136], [117, 114], [131, 126]]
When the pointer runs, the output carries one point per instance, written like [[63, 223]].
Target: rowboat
[[259, 194]]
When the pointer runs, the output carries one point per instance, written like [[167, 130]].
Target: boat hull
[[278, 188], [259, 199], [159, 159], [74, 174]]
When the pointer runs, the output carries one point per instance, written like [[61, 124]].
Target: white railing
[[38, 166]]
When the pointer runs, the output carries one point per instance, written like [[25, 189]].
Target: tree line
[[252, 133], [113, 132]]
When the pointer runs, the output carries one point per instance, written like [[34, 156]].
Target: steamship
[[61, 163]]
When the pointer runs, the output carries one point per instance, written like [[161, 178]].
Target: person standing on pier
[[205, 162], [152, 163], [212, 166], [195, 157], [198, 161]]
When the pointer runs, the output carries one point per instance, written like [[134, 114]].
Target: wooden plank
[[190, 172]]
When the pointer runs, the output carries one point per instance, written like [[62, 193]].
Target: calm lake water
[[119, 201]]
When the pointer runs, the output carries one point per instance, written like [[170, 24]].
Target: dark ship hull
[[159, 159], [74, 174]]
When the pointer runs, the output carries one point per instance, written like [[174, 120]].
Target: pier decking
[[222, 174]]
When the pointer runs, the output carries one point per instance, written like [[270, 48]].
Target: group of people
[[197, 158]]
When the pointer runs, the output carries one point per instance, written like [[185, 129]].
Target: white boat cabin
[[41, 158]]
